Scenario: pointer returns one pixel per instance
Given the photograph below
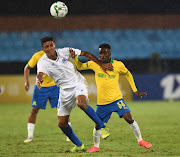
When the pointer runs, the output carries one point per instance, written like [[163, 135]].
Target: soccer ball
[[58, 10]]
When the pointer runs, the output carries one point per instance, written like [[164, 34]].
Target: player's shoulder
[[116, 61], [39, 53], [42, 58], [91, 63], [63, 51]]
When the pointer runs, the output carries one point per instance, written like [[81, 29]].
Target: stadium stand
[[126, 44]]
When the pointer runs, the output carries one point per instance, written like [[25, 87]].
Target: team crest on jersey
[[64, 60]]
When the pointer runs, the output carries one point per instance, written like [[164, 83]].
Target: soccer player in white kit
[[58, 64]]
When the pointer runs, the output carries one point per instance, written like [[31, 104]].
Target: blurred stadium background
[[145, 35]]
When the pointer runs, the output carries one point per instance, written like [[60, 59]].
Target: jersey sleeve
[[122, 69], [128, 75], [80, 65], [41, 67], [77, 51], [130, 79], [33, 61], [91, 65], [67, 54], [83, 66]]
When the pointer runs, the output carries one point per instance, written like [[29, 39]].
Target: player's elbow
[[128, 75], [26, 68]]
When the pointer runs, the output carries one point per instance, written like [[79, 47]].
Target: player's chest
[[61, 64], [101, 75]]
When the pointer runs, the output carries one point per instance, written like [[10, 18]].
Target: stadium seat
[[125, 43]]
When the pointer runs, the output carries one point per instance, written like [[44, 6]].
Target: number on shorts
[[121, 104]]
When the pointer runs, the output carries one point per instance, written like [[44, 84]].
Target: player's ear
[[42, 47]]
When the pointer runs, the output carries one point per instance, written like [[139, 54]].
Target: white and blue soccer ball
[[58, 10]]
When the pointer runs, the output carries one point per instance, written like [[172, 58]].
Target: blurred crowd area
[[145, 36]]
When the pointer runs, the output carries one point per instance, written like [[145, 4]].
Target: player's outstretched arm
[[130, 79], [72, 52], [79, 65], [133, 86], [39, 79], [26, 77], [96, 60]]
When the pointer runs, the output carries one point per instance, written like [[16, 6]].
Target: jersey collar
[[56, 58], [111, 61]]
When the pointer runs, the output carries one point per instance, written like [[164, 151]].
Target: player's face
[[49, 48], [104, 55]]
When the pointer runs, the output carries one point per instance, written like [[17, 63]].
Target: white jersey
[[62, 70]]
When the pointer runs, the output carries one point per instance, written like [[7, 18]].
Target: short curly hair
[[105, 46], [47, 38]]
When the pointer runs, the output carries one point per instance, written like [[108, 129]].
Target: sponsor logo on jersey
[[64, 60]]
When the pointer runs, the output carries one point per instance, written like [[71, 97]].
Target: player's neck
[[109, 60], [53, 57]]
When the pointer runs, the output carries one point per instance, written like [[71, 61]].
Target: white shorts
[[67, 98]]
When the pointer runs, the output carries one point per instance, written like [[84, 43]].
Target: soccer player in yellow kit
[[109, 96], [49, 91]]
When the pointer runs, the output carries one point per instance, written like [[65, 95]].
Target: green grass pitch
[[159, 122]]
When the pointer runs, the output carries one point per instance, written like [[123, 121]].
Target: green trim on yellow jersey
[[29, 66], [111, 61], [87, 64], [126, 73]]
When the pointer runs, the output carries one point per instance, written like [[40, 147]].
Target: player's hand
[[72, 52], [140, 94], [39, 81], [26, 86], [106, 66], [38, 85]]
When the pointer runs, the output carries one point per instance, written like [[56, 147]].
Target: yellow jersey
[[108, 89], [47, 81]]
